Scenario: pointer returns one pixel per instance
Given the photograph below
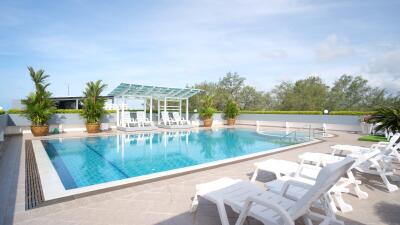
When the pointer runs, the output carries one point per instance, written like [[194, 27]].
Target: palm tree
[[38, 105], [38, 78], [93, 104], [387, 118]]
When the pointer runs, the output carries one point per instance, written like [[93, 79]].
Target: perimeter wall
[[16, 123]]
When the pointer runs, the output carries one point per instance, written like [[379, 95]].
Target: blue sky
[[175, 43]]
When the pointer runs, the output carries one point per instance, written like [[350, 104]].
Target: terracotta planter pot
[[231, 121], [42, 130], [207, 122], [93, 127]]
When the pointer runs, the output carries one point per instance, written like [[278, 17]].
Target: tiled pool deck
[[167, 201]]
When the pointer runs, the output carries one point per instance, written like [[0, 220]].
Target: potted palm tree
[[93, 105], [38, 105], [207, 110], [231, 112]]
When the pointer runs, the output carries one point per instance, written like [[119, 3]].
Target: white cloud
[[333, 48], [384, 70], [388, 63]]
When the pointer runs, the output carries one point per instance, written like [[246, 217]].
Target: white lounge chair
[[307, 173], [178, 119], [379, 165], [272, 208], [129, 121], [389, 149], [142, 119], [166, 120]]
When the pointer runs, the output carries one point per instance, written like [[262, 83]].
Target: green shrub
[[207, 109], [231, 109], [2, 112]]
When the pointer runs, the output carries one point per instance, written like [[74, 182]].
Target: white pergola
[[126, 91]]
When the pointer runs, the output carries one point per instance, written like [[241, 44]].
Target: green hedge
[[2, 112], [282, 112], [59, 111], [347, 113], [351, 113]]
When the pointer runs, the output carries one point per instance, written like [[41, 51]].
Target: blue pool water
[[87, 161]]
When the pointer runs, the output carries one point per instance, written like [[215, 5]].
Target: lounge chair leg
[[307, 220], [344, 207], [222, 214], [195, 203], [253, 178], [382, 174], [360, 194], [332, 204], [389, 186]]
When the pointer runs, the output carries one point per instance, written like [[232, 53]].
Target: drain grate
[[33, 189]]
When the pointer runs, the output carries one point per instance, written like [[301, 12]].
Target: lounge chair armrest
[[287, 219], [296, 183]]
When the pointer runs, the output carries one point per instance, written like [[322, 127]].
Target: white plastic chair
[[129, 121], [166, 120], [178, 119], [272, 208], [389, 149], [142, 119], [307, 173]]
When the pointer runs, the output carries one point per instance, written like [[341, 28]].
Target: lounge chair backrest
[[141, 116], [177, 116], [365, 156], [326, 179], [165, 116], [395, 139]]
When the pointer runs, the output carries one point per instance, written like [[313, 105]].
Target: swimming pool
[[81, 162]]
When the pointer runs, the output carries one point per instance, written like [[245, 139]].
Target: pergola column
[[158, 111], [151, 108], [144, 105], [165, 104], [187, 109], [180, 107], [118, 112], [123, 111]]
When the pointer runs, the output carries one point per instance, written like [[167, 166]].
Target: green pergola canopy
[[135, 90]]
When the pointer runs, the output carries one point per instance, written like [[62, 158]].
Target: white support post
[[180, 107], [187, 109], [118, 112], [123, 111], [165, 104], [151, 108], [77, 104], [158, 111], [144, 105]]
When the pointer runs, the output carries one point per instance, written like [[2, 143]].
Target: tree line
[[348, 93]]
